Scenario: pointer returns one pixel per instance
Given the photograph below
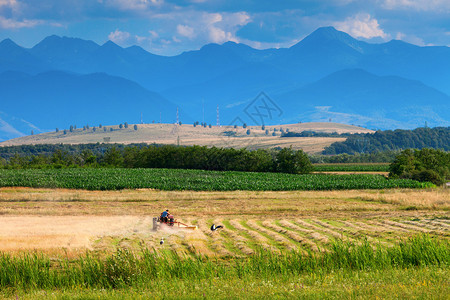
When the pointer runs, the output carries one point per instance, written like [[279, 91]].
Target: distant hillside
[[328, 74], [59, 99], [187, 134], [360, 97], [419, 138]]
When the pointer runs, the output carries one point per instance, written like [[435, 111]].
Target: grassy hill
[[187, 134]]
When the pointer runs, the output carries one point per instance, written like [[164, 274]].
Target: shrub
[[291, 161], [423, 165]]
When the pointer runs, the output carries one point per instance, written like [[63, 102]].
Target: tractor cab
[[170, 222]]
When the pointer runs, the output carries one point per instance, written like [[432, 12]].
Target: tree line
[[48, 149], [423, 165], [374, 157], [393, 140], [285, 160], [308, 133]]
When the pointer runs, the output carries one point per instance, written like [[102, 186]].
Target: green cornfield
[[196, 180], [351, 167]]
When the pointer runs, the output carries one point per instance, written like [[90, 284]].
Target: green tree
[[423, 165], [113, 158], [291, 161], [88, 157], [17, 162]]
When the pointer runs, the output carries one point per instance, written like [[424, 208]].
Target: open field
[[187, 134], [63, 224], [50, 219]]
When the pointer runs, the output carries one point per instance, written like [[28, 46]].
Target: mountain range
[[65, 81]]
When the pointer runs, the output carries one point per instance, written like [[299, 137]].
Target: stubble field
[[63, 224], [75, 220]]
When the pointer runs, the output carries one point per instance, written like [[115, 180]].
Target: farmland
[[197, 180], [187, 134], [374, 167], [62, 224]]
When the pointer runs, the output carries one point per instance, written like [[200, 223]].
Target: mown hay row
[[314, 234], [261, 240], [330, 233], [432, 224], [196, 242], [305, 232], [338, 232], [407, 226], [300, 241], [388, 227], [276, 236], [367, 231], [238, 240], [215, 241], [442, 225]]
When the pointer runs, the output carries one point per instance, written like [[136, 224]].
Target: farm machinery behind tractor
[[159, 222]]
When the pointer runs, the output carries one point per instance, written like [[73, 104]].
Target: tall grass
[[125, 268]]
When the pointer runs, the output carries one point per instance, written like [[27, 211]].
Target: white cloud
[[136, 5], [217, 35], [10, 4], [361, 25], [119, 37], [212, 27], [412, 39], [421, 5], [186, 31], [14, 24], [125, 39]]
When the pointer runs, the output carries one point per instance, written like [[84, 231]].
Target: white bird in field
[[162, 241], [214, 227]]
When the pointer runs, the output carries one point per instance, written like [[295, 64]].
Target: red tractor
[[170, 222]]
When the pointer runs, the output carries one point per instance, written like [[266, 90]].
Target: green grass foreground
[[412, 283], [197, 180], [194, 276]]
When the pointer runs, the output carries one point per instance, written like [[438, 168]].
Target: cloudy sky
[[169, 27]]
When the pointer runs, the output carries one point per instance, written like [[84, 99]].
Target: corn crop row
[[197, 180]]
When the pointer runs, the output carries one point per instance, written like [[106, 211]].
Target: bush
[[423, 165], [294, 162]]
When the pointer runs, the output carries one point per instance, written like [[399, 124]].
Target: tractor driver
[[164, 215]]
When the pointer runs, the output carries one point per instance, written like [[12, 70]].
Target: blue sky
[[169, 27]]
